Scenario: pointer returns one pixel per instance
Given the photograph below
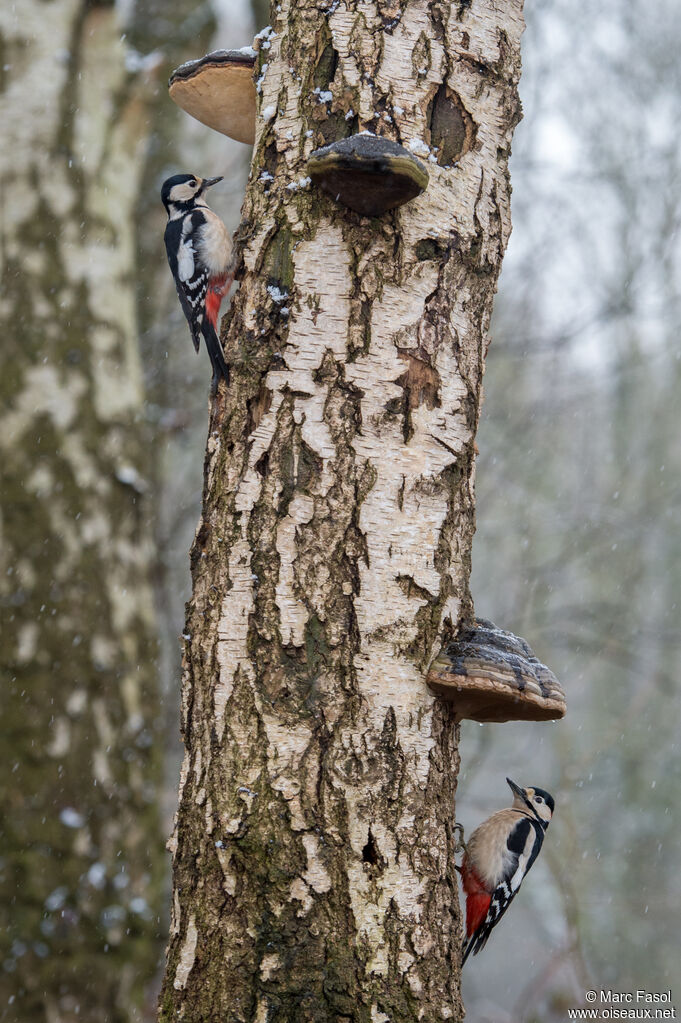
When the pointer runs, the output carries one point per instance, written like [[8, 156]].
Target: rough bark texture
[[82, 853], [314, 855]]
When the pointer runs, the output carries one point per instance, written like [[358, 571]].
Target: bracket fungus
[[367, 173], [219, 91], [492, 675]]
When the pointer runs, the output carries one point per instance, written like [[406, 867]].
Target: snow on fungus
[[219, 91], [367, 173], [491, 675]]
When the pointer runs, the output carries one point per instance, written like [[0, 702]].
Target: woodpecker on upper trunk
[[497, 857], [201, 258]]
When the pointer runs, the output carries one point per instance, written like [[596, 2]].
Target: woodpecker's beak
[[207, 182], [516, 789]]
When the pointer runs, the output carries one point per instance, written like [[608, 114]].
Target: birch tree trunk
[[314, 854], [81, 843]]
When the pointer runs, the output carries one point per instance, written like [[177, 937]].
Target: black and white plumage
[[201, 259], [498, 856]]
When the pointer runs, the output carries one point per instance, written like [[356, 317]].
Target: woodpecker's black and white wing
[[190, 275], [522, 848]]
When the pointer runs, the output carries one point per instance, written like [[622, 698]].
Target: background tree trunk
[[314, 853], [82, 847]]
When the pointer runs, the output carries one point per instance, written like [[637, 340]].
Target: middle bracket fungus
[[367, 173], [492, 675]]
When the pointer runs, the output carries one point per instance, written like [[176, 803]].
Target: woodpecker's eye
[[192, 184], [539, 799]]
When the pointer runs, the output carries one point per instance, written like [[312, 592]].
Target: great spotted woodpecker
[[201, 258], [497, 857]]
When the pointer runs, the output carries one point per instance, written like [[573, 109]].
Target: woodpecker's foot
[[222, 289], [461, 841]]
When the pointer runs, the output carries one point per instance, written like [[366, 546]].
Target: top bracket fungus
[[219, 91], [492, 675], [367, 173]]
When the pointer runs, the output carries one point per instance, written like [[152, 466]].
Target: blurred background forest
[[102, 431]]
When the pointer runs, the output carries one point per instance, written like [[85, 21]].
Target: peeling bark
[[82, 850], [313, 853]]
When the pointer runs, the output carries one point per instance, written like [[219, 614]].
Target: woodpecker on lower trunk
[[201, 258], [497, 857]]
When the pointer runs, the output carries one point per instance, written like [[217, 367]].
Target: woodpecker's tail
[[476, 942], [220, 367]]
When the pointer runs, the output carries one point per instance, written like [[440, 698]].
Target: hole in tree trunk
[[452, 130], [370, 853]]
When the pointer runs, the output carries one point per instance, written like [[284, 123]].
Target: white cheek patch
[[181, 193]]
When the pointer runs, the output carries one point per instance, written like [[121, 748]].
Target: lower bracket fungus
[[219, 91], [492, 675], [368, 174]]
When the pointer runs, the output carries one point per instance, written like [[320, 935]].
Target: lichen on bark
[[314, 851]]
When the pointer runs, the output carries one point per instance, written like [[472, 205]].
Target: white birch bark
[[314, 854]]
